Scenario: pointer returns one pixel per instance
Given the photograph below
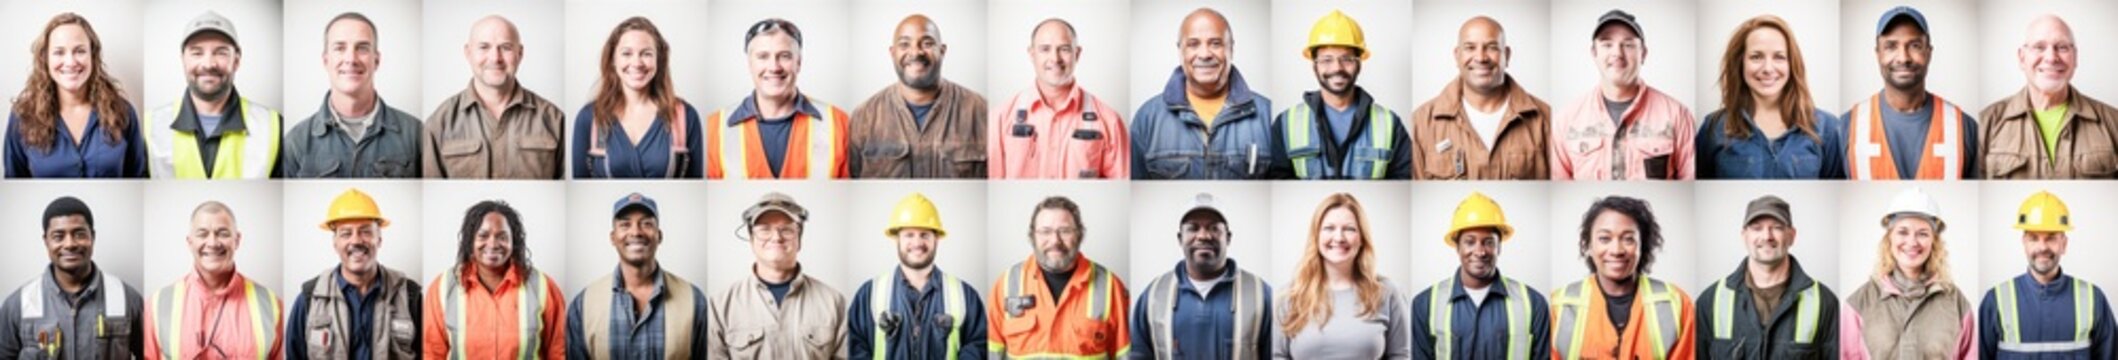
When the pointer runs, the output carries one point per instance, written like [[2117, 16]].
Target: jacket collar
[[187, 119], [1449, 105], [748, 109], [470, 98], [933, 279], [90, 291], [794, 283], [2018, 106], [384, 119], [1739, 281], [2061, 284], [1173, 92]]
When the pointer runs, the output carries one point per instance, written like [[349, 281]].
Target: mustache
[[1209, 62]]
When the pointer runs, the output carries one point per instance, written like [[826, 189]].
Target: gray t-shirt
[[1343, 335], [1341, 122], [1907, 135], [1617, 109]]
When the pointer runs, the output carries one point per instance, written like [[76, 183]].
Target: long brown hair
[[1309, 297], [38, 105], [610, 93], [1795, 105]]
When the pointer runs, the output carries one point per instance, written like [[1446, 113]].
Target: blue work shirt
[[96, 156], [360, 312], [1792, 156], [923, 312], [1204, 324], [633, 335], [2046, 314], [1481, 329], [647, 159], [1170, 141]]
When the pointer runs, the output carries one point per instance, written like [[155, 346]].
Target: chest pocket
[[747, 343], [820, 342], [886, 159], [327, 166], [2096, 163], [1085, 149], [1090, 337]]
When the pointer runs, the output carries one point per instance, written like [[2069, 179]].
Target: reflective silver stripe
[[33, 299], [113, 296], [168, 317], [1519, 336], [530, 304], [1298, 134], [823, 149], [2044, 347], [1014, 287], [2010, 331], [735, 154], [1161, 301], [1807, 318], [1724, 311], [264, 318], [452, 311], [1441, 319], [2084, 305], [1379, 134], [1570, 332], [1098, 292], [1665, 317], [1249, 310]]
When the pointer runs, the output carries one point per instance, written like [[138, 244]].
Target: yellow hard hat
[[915, 211], [1335, 29], [2043, 212], [1478, 211], [353, 205]]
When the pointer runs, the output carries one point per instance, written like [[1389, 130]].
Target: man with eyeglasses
[[1339, 131], [2049, 130], [1891, 130], [1057, 304], [1623, 129], [214, 312], [1206, 307], [358, 309], [786, 314], [75, 310]]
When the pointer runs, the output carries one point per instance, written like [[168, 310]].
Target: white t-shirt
[[1486, 123], [1478, 295]]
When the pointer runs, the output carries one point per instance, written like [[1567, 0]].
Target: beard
[[216, 92], [927, 81], [1327, 80]]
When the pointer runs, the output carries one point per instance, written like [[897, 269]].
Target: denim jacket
[[1169, 141], [1792, 156]]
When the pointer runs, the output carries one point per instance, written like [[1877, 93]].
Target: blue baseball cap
[[1901, 11], [635, 200]]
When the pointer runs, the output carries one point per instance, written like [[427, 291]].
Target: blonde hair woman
[[1910, 308], [1338, 307]]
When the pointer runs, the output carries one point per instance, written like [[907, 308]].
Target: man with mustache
[[75, 310], [1360, 139], [640, 310], [358, 309], [1890, 130], [496, 129], [1623, 129], [185, 138], [1206, 124], [1450, 319], [2049, 130], [1182, 313], [917, 311], [1056, 129], [923, 126], [353, 135], [2045, 313], [793, 135], [778, 312], [493, 304], [1769, 308], [1483, 125], [1057, 303], [214, 312]]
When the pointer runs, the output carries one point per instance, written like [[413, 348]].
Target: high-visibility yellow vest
[[736, 141], [1308, 157], [1661, 302], [1441, 318], [885, 288], [246, 154], [677, 317], [2011, 324], [530, 305], [1808, 309], [169, 318]]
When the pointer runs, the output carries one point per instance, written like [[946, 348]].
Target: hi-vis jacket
[[889, 319], [1174, 319], [1512, 322], [188, 320], [102, 321], [816, 144], [176, 149], [2066, 319], [1804, 326], [523, 316], [1660, 325], [1087, 320]]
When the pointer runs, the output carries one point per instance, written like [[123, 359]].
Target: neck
[[1337, 100], [2045, 279], [638, 276], [775, 107], [2049, 99], [1483, 101], [206, 105], [1206, 91], [916, 277], [774, 274], [491, 276], [72, 281], [1339, 276], [1054, 95], [1473, 281], [352, 104], [494, 98], [1617, 287], [1207, 273], [360, 280], [216, 280], [72, 98], [1905, 100], [1763, 275], [919, 96], [1621, 92]]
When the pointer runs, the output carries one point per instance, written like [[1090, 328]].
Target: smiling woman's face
[[68, 57]]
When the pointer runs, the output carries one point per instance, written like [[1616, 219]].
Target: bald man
[[2049, 130], [1056, 130], [1483, 125], [1206, 123], [922, 126], [496, 129]]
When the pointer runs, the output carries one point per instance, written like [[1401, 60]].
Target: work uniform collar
[[1074, 99], [933, 280], [89, 291], [233, 288], [187, 118], [1185, 282], [1499, 286], [512, 277], [1080, 277], [617, 282], [748, 109], [338, 275], [794, 282], [1361, 100], [1449, 106], [378, 121], [515, 97], [1739, 281], [2019, 106], [2058, 287], [1173, 92], [1639, 96]]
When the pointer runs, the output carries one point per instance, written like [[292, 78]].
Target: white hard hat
[[1913, 202]]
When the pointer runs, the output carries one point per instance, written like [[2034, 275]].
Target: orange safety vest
[[815, 147], [1089, 322], [1870, 150]]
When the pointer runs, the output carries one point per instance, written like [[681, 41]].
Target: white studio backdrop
[[1523, 256], [1155, 55], [447, 71], [1816, 30], [1813, 205], [678, 205], [2004, 25], [1295, 204], [1670, 202], [1953, 31], [1863, 205], [869, 38], [258, 213], [1158, 212], [822, 254], [116, 207], [869, 252], [1434, 38], [117, 25], [2088, 247], [1104, 39], [1386, 75], [1105, 218], [310, 250], [825, 54], [307, 79], [257, 27], [1666, 27], [542, 205]]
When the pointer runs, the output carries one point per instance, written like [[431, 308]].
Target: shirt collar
[[2060, 284], [470, 98], [1174, 92], [234, 287], [617, 282], [93, 287], [1498, 287], [378, 120], [187, 118], [469, 273], [748, 109], [933, 278]]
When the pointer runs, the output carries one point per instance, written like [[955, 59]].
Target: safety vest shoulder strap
[[1570, 333], [1299, 134], [1381, 127], [1808, 310], [32, 298], [1250, 313], [1941, 156], [264, 317], [1099, 292], [1441, 317], [679, 311], [1519, 336], [1662, 300], [735, 152], [1161, 306], [823, 143], [595, 315], [883, 291], [169, 317], [529, 306]]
